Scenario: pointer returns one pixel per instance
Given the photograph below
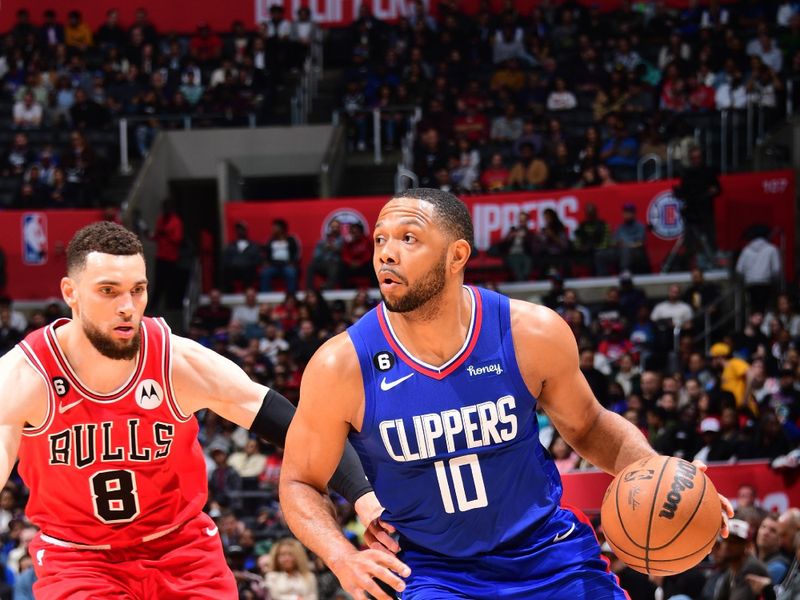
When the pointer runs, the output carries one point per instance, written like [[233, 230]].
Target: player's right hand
[[356, 571]]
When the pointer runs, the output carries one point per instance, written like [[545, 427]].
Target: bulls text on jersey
[[84, 444]]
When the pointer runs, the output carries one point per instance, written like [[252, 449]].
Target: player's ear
[[459, 255], [69, 291]]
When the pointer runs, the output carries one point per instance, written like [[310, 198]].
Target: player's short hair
[[103, 236], [450, 213]]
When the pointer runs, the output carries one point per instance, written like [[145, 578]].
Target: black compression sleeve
[[272, 423]]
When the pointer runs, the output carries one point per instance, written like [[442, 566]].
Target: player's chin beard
[[420, 295], [110, 348]]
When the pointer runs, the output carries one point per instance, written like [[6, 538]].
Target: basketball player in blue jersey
[[437, 390]]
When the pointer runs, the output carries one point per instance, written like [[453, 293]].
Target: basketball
[[661, 515]]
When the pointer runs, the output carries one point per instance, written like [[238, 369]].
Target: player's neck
[[436, 332], [96, 371]]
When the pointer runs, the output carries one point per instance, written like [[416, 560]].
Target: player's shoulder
[[337, 354], [19, 375], [541, 334]]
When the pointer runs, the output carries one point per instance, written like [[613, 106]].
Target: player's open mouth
[[388, 281], [125, 331]]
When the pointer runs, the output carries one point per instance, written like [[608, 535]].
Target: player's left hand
[[727, 507], [378, 533]]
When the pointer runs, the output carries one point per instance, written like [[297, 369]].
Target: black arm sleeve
[[272, 423]]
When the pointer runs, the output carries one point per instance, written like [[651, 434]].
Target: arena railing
[[185, 121], [306, 90]]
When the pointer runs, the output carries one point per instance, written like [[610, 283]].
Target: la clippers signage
[[746, 199], [777, 490], [173, 16]]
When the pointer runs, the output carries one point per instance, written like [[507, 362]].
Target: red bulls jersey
[[111, 469]]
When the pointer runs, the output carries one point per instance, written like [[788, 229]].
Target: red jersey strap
[[37, 366], [166, 370]]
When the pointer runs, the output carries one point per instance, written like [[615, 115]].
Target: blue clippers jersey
[[453, 452]]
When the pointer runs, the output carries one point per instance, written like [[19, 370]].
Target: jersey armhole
[[166, 372], [508, 350], [366, 374], [31, 430]]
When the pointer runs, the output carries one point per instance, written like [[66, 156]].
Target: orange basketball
[[661, 515]]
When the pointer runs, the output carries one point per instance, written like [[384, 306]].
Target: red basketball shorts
[[186, 563]]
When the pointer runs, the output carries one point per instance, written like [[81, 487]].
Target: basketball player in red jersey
[[99, 410]]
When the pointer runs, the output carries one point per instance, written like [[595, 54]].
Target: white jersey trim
[[166, 372], [36, 365]]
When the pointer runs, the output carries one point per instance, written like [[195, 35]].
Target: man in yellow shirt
[[733, 371], [77, 33]]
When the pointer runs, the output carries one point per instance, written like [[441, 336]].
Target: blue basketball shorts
[[563, 560]]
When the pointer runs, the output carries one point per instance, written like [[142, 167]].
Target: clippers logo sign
[[664, 216], [345, 217], [149, 394], [34, 238]]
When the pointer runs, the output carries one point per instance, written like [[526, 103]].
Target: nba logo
[[34, 238]]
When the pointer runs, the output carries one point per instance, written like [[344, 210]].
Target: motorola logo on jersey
[[435, 434], [149, 394]]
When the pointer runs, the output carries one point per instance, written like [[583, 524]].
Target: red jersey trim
[[166, 372], [37, 366], [61, 359], [452, 364]]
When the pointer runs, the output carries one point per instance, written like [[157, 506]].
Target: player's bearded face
[[108, 346], [422, 291]]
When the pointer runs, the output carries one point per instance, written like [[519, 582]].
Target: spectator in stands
[[563, 173], [191, 89], [28, 112], [555, 242], [673, 309], [561, 98], [10, 331], [621, 152], [282, 255], [51, 33], [247, 314], [507, 127], [357, 257], [759, 265], [519, 248], [675, 51], [530, 172], [596, 379], [714, 447], [701, 294], [85, 113], [205, 46], [629, 239], [304, 30], [240, 260], [354, 104], [731, 91], [289, 575], [470, 124], [509, 43], [224, 482], [77, 34], [593, 241], [250, 462], [327, 259], [110, 34], [764, 47], [731, 371], [564, 457], [495, 178], [785, 314], [214, 316], [768, 549]]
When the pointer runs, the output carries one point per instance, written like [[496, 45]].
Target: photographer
[[697, 189]]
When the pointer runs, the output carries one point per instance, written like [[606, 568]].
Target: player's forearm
[[612, 443], [311, 521]]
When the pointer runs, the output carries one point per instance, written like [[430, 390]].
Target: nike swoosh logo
[[386, 386], [211, 531], [561, 536], [62, 408]]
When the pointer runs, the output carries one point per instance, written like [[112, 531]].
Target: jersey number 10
[[455, 464]]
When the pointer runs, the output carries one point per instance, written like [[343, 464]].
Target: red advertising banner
[[776, 489], [767, 197], [34, 243], [173, 16]]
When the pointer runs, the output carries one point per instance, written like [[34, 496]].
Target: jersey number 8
[[115, 496]]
